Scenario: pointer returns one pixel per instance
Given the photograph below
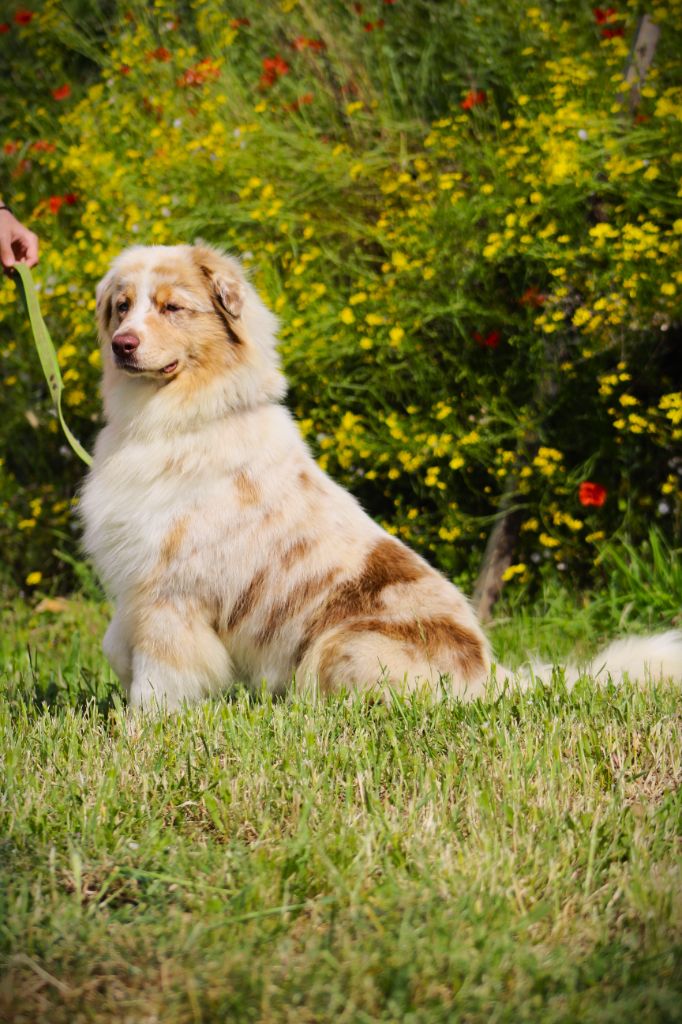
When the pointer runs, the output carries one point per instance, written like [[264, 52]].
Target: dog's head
[[186, 320]]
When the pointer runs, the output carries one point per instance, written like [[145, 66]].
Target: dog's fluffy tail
[[640, 659]]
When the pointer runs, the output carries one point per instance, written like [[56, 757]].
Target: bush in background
[[470, 233]]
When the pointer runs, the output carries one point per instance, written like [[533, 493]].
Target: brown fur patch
[[309, 483], [178, 269], [157, 643], [248, 491], [296, 551], [332, 661], [171, 543], [160, 338], [105, 309], [151, 591], [107, 313], [163, 294], [209, 357], [179, 289], [225, 296], [388, 564], [226, 321], [126, 291], [298, 598], [114, 293], [176, 464], [223, 276], [431, 636], [440, 639], [119, 292], [246, 601]]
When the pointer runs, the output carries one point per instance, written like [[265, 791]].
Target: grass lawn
[[509, 860]]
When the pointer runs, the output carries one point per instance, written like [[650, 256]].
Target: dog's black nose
[[125, 344]]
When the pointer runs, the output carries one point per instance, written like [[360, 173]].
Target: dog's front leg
[[117, 649], [177, 657]]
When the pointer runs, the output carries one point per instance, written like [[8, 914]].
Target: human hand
[[17, 243]]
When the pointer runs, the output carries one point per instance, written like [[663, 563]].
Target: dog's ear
[[224, 277], [104, 297]]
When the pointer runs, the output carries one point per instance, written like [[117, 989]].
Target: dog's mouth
[[134, 368]]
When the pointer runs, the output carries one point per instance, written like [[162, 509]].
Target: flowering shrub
[[470, 232]]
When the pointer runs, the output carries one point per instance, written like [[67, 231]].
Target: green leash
[[46, 353]]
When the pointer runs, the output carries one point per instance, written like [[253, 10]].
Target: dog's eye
[[122, 307], [171, 308]]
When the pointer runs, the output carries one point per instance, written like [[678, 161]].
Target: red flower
[[70, 198], [303, 43], [238, 22], [358, 8], [124, 69], [62, 92], [273, 68], [4, 27], [473, 98], [10, 148], [200, 73], [603, 14], [302, 101], [22, 17], [160, 53], [532, 297], [591, 494], [54, 203], [190, 77], [43, 147], [491, 340]]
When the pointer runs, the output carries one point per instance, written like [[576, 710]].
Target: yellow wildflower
[[514, 570]]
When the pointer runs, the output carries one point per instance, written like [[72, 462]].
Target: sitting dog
[[229, 554]]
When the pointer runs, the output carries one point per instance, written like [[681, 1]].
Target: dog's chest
[[181, 512], [129, 505]]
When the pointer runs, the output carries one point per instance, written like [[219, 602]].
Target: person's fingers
[[21, 245], [26, 247], [6, 254], [32, 249]]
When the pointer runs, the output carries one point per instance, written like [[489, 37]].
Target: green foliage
[[639, 590], [471, 236]]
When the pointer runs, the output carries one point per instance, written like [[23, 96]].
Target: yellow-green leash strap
[[46, 353]]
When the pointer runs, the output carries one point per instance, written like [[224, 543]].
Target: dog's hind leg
[[353, 657]]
